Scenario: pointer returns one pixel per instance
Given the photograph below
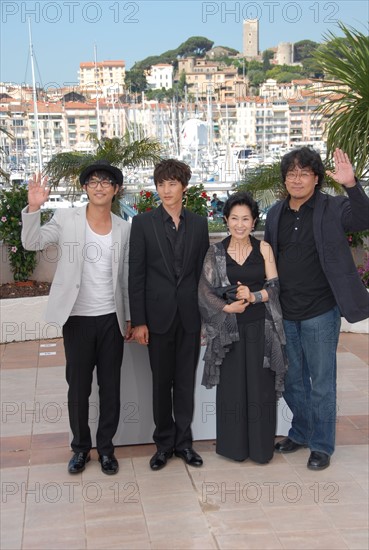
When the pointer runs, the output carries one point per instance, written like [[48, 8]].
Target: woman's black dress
[[246, 399]]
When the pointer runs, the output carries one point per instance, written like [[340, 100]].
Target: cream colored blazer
[[66, 230]]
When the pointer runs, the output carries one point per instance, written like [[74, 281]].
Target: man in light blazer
[[167, 249], [89, 299]]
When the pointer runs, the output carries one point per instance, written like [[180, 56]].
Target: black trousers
[[89, 342], [173, 359], [246, 399]]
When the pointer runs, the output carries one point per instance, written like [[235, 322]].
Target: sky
[[67, 32]]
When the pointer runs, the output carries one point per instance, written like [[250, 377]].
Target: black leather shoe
[[109, 464], [318, 460], [159, 460], [78, 462], [189, 456], [286, 445]]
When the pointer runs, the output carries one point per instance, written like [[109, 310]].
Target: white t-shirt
[[96, 295]]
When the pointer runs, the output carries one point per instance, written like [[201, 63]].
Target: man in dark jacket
[[319, 283], [168, 249]]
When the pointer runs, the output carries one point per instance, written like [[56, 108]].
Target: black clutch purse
[[228, 293]]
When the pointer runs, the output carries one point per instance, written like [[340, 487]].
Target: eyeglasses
[[293, 175], [104, 182]]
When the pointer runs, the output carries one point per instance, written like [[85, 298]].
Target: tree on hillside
[[311, 68], [135, 81], [256, 77], [304, 49], [347, 109], [267, 56], [335, 46], [287, 76], [196, 45], [230, 51]]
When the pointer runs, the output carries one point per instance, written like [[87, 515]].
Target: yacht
[[82, 200], [56, 201]]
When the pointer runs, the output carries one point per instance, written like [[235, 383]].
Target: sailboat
[[34, 94]]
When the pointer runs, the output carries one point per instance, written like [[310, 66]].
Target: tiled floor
[[222, 505]]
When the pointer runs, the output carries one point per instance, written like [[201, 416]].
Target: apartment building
[[62, 126], [18, 118], [262, 123], [160, 76], [306, 124], [207, 78], [104, 76], [265, 123]]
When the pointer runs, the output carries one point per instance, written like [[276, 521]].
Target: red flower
[[147, 209], [210, 214], [148, 194], [135, 206], [204, 195], [141, 193]]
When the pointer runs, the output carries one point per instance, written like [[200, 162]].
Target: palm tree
[[347, 61], [265, 184], [118, 151]]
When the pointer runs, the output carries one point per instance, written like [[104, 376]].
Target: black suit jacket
[[154, 292]]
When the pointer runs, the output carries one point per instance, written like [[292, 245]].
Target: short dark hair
[[303, 157], [103, 174], [242, 198], [172, 169]]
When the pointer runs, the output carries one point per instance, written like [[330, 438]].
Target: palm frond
[[67, 166], [347, 109], [266, 186], [118, 151]]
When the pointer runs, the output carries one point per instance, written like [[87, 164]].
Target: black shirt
[[252, 274], [305, 291], [176, 239]]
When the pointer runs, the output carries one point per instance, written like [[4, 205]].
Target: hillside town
[[216, 110]]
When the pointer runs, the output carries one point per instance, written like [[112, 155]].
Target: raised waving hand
[[38, 192], [343, 170]]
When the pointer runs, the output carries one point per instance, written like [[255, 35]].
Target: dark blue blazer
[[333, 217]]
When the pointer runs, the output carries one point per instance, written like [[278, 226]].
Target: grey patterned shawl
[[221, 328]]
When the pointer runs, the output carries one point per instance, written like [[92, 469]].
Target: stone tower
[[251, 38]]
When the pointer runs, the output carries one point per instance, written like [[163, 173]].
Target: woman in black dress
[[238, 298]]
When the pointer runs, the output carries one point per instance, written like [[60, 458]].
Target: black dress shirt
[[176, 238], [305, 291]]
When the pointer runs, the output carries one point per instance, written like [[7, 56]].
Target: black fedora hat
[[101, 165]]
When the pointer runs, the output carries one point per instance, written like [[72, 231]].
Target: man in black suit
[[168, 246]]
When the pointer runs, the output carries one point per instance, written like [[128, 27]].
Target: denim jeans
[[310, 384]]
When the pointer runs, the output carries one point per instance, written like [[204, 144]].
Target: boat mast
[[35, 111], [97, 98]]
